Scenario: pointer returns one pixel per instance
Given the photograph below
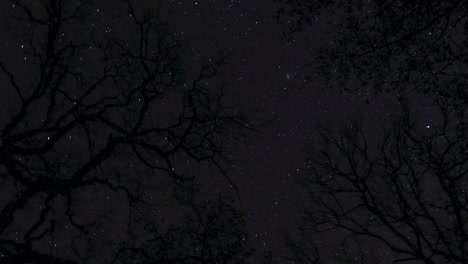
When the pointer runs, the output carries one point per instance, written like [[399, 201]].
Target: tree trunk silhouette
[[95, 111]]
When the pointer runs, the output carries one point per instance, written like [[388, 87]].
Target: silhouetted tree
[[93, 112], [211, 232], [386, 45], [406, 190]]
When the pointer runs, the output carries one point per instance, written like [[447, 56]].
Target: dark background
[[265, 72]]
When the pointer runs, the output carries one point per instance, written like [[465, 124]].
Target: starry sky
[[265, 72]]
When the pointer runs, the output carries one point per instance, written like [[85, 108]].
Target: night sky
[[266, 72], [263, 72]]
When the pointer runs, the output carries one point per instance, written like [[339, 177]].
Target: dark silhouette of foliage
[[212, 232], [386, 45], [96, 112]]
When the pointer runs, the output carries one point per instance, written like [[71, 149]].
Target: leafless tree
[[94, 112], [406, 190]]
